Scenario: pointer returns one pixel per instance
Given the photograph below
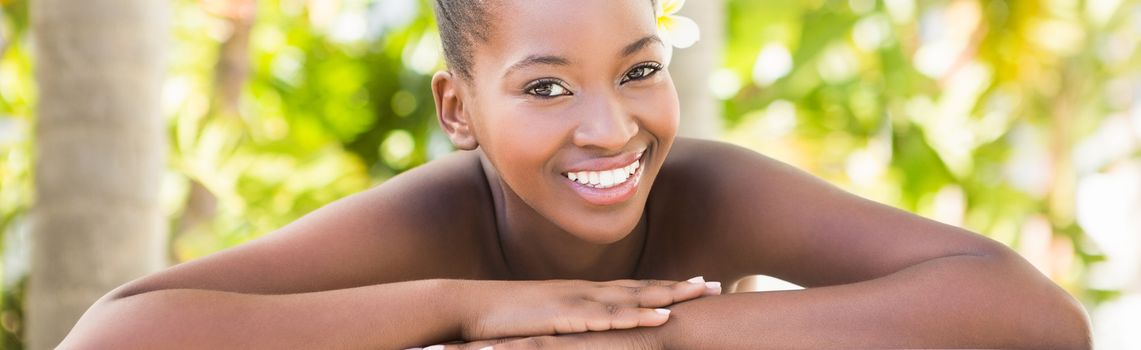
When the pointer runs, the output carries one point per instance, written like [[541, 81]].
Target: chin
[[605, 230], [600, 237]]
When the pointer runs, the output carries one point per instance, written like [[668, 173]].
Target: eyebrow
[[553, 60], [640, 44], [538, 60]]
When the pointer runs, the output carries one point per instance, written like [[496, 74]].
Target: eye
[[642, 71], [547, 88]]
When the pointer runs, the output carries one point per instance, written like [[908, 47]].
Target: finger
[[654, 296], [648, 318], [712, 288], [585, 316], [480, 345], [639, 283], [475, 345], [542, 342], [608, 316], [592, 340], [648, 293], [694, 288]]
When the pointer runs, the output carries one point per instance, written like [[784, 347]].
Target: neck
[[535, 248]]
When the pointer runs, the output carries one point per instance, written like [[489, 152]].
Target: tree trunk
[[692, 67], [96, 222]]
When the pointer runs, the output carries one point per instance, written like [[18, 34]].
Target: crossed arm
[[957, 301], [878, 278], [963, 301]]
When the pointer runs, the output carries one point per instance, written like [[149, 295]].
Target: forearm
[[960, 301], [396, 315]]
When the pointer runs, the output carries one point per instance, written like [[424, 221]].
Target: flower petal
[[683, 32], [670, 7], [665, 25], [669, 51]]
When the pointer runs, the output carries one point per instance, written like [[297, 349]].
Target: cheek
[[522, 142], [659, 112]]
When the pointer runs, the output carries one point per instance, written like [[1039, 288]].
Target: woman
[[544, 231]]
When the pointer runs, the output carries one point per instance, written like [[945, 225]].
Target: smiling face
[[571, 103]]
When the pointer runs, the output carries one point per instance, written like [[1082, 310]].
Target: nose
[[605, 124]]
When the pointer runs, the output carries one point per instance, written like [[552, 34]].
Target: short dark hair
[[461, 24]]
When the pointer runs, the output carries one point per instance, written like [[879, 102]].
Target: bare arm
[[963, 301], [957, 301], [363, 317], [336, 272], [373, 270], [877, 276]]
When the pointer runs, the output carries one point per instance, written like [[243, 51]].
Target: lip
[[600, 164], [613, 195]]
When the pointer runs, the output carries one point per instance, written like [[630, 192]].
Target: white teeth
[[605, 178], [620, 175]]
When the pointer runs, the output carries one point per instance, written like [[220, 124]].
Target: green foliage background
[[324, 116]]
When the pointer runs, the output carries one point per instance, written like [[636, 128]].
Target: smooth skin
[[491, 246]]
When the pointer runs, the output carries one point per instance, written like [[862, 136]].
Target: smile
[[605, 187], [605, 178]]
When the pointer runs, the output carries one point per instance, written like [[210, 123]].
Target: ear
[[454, 119]]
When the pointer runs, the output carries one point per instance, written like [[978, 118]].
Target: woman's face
[[571, 102]]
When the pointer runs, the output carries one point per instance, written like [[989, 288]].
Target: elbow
[[1024, 307], [1056, 319], [1073, 324], [93, 330], [1070, 330], [107, 324]]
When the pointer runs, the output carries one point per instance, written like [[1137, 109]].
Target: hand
[[639, 339], [536, 308]]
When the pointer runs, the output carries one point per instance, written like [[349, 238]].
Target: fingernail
[[663, 311], [698, 279], [713, 285], [435, 347]]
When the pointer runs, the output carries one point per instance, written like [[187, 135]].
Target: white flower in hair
[[680, 32]]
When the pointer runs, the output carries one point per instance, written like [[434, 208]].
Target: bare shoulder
[[425, 223], [703, 170], [689, 157], [755, 215], [732, 176], [701, 202]]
